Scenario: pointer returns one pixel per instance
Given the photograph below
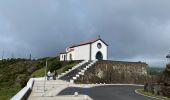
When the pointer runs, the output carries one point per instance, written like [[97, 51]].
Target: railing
[[83, 71], [76, 66], [23, 94]]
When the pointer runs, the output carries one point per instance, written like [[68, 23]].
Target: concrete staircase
[[38, 87], [73, 68], [74, 73], [52, 89]]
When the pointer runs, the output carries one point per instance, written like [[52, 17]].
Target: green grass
[[152, 95], [38, 73], [15, 73], [7, 93], [66, 68]]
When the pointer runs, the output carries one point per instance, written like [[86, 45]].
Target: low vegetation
[[14, 73], [55, 65], [39, 73], [151, 94], [159, 84]]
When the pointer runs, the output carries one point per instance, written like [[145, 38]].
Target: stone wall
[[116, 72]]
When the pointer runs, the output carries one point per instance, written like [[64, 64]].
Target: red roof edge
[[88, 42], [63, 53]]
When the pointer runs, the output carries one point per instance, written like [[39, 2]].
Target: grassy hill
[[14, 73]]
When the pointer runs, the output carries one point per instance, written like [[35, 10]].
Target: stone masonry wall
[[116, 72]]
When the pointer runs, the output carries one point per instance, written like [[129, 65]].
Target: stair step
[[77, 75], [75, 72], [74, 78]]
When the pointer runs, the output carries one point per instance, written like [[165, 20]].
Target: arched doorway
[[99, 56], [71, 57]]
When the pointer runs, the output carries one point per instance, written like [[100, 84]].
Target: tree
[[168, 56]]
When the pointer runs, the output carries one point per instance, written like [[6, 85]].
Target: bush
[[54, 65], [66, 68]]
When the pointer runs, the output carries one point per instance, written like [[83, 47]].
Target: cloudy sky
[[135, 30]]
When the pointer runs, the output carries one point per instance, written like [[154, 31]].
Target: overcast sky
[[135, 30]]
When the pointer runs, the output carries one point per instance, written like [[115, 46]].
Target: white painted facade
[[92, 50], [63, 57], [82, 52], [103, 50]]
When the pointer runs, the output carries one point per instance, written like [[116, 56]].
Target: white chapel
[[90, 50]]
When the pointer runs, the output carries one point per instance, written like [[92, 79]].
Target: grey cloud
[[134, 30]]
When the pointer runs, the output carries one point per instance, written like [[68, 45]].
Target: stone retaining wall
[[116, 72]]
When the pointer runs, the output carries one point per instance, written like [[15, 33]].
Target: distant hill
[[155, 70], [14, 73]]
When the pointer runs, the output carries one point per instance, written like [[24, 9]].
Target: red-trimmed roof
[[88, 42], [63, 52], [84, 43]]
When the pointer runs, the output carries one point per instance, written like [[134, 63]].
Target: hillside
[[14, 73], [155, 70]]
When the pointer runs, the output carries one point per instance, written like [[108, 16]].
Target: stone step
[[73, 73]]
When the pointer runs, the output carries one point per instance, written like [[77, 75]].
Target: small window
[[99, 45], [64, 57]]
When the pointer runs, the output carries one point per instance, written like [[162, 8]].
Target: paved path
[[38, 88], [109, 92], [62, 90], [52, 88], [66, 97]]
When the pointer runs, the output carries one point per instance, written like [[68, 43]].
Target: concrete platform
[[52, 89], [67, 97]]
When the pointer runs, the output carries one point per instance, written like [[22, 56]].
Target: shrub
[[54, 65]]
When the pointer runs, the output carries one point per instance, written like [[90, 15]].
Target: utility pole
[[3, 54], [30, 56], [45, 74], [12, 55]]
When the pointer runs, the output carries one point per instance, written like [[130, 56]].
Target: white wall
[[62, 57], [82, 52], [68, 55], [95, 49]]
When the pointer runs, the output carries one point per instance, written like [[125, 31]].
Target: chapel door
[[99, 56]]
